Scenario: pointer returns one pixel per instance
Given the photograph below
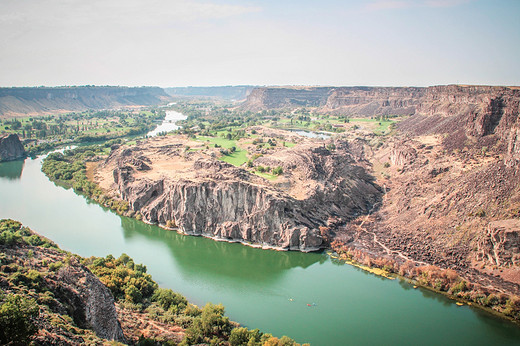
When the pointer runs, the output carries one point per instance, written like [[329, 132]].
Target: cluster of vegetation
[[278, 170], [29, 298], [27, 301], [206, 118], [47, 132], [445, 281], [17, 319], [134, 289], [69, 169], [12, 232]]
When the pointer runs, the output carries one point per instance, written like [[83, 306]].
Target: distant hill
[[239, 92], [47, 100]]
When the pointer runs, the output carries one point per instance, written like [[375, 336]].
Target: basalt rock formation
[[237, 92], [203, 196], [11, 148], [65, 287], [501, 244], [353, 101], [375, 101], [452, 186], [45, 100]]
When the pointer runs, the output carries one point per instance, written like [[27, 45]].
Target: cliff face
[[355, 101], [452, 183], [275, 98], [237, 92], [215, 199], [481, 117], [450, 100], [366, 101], [63, 287], [43, 100], [11, 148]]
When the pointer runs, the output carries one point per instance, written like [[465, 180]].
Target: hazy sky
[[279, 42]]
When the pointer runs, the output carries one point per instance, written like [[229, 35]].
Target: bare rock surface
[[501, 244], [200, 195], [11, 148], [75, 292]]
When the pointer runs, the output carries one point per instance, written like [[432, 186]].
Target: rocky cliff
[[44, 100], [64, 288], [290, 97], [204, 196], [449, 100], [352, 101], [11, 148], [237, 92], [452, 180]]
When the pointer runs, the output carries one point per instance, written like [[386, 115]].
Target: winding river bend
[[260, 288]]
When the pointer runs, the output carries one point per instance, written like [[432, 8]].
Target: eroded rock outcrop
[[91, 302], [11, 148], [203, 196], [402, 154], [501, 244], [73, 291]]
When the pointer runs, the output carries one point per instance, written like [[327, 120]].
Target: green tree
[[278, 170], [17, 315]]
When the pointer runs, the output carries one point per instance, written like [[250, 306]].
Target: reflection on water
[[12, 169], [260, 288], [168, 124], [311, 134], [202, 256]]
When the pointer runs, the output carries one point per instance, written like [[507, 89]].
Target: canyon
[[34, 101], [430, 193]]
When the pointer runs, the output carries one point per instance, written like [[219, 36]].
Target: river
[[168, 124], [262, 289]]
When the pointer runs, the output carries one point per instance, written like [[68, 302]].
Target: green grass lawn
[[238, 158], [267, 176], [223, 142]]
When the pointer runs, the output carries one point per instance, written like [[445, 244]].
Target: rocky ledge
[[200, 195]]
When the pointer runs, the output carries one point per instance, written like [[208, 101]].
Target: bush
[[168, 299], [278, 170], [17, 315], [211, 323]]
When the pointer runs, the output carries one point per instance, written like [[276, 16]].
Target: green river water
[[261, 289]]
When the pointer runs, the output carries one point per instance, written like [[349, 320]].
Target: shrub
[[17, 315], [278, 170], [168, 299]]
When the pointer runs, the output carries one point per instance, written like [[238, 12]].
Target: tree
[[17, 315], [210, 323], [278, 170]]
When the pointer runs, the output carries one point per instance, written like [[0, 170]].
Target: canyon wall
[[373, 101], [215, 199], [46, 100]]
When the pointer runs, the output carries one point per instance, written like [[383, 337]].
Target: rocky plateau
[[200, 195]]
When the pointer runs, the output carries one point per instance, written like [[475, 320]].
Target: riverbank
[[443, 281], [447, 282], [255, 285], [34, 270]]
